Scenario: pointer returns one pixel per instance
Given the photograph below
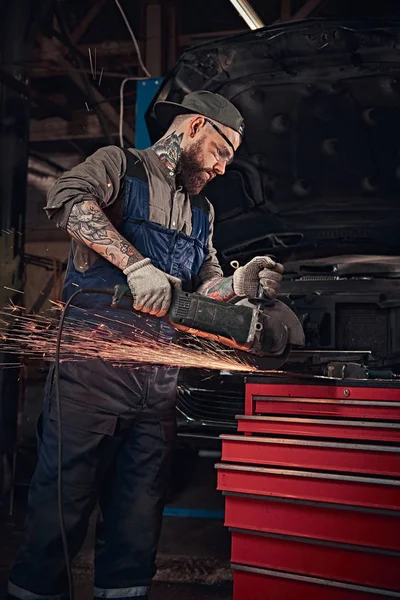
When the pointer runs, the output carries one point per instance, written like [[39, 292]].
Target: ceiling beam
[[88, 19], [46, 103], [45, 69], [107, 108], [69, 51], [172, 30], [154, 38], [109, 48], [83, 126], [56, 167]]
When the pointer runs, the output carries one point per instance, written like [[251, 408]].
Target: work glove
[[151, 288], [262, 269]]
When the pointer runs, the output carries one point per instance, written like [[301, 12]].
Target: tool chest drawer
[[322, 400], [307, 485], [310, 454], [336, 523], [252, 583], [329, 560], [357, 409], [351, 429]]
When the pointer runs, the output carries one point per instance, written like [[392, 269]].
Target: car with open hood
[[315, 183]]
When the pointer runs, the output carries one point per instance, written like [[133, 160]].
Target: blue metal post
[[145, 92]]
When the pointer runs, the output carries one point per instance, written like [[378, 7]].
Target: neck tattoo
[[169, 150]]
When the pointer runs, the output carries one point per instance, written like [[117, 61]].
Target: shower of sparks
[[34, 336]]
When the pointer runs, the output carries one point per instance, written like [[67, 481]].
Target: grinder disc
[[263, 363]]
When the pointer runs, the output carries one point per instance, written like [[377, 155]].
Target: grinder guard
[[261, 337]]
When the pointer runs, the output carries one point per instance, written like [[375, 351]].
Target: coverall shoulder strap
[[201, 202], [134, 166]]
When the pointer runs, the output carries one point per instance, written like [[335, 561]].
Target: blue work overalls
[[118, 428]]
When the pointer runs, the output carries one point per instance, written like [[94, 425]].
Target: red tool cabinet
[[312, 490]]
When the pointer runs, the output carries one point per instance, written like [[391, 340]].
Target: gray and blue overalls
[[118, 427]]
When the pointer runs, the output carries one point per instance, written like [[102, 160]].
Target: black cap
[[207, 104]]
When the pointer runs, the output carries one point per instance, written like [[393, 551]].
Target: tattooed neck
[[169, 149]]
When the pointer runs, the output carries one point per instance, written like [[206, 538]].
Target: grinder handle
[[262, 299], [120, 291]]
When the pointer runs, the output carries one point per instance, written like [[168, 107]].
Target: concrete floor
[[193, 560]]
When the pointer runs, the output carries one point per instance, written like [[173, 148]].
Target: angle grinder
[[261, 332]]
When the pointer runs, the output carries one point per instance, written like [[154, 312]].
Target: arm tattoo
[[88, 224], [218, 288], [169, 149]]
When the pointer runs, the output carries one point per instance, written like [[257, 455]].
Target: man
[[136, 216]]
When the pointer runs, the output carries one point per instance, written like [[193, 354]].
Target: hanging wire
[[121, 108], [133, 38], [121, 89]]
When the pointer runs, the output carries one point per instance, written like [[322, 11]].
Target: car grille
[[210, 406], [363, 327]]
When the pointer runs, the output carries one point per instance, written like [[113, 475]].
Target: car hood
[[318, 171]]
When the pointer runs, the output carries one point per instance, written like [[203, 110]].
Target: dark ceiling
[[76, 110]]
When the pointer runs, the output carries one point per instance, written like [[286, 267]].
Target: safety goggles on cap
[[221, 133]]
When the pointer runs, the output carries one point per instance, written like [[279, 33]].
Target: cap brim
[[165, 112]]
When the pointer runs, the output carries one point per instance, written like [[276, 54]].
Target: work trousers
[[118, 429]]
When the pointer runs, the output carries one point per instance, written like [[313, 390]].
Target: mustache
[[209, 172]]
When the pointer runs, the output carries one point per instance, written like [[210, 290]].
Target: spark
[[87, 338], [13, 290], [91, 62], [87, 107], [13, 307], [101, 75], [95, 63]]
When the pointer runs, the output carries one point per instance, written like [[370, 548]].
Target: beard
[[191, 172]]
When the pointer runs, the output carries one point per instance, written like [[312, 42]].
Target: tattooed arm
[[213, 283], [76, 202], [219, 288], [88, 224]]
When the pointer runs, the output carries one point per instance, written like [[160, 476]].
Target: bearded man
[[136, 217]]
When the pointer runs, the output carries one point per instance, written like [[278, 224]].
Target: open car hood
[[319, 168]]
